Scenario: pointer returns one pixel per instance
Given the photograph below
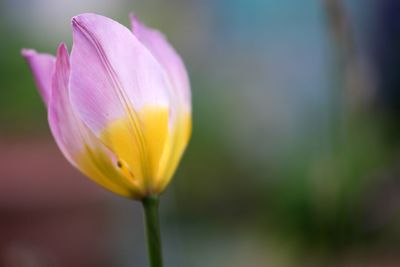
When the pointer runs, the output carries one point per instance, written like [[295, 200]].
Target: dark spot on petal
[[119, 164]]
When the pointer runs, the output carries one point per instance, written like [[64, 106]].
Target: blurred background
[[294, 158]]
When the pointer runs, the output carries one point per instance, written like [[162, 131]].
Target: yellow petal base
[[147, 152]]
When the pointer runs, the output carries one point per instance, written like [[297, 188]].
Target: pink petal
[[42, 66], [166, 55], [78, 144], [180, 96], [61, 116], [112, 73]]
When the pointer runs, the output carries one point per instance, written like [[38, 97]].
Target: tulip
[[118, 107]]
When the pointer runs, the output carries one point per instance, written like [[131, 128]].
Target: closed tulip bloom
[[119, 105]]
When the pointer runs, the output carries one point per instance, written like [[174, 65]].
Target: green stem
[[150, 207]]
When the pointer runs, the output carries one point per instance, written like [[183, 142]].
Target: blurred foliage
[[20, 105]]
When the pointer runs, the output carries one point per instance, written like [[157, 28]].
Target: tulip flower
[[119, 108]]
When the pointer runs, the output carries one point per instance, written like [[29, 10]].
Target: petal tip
[[62, 47], [85, 17], [62, 54], [136, 24], [134, 19], [74, 20], [78, 19], [26, 52], [89, 21]]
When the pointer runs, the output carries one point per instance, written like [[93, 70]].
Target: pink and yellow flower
[[119, 106]]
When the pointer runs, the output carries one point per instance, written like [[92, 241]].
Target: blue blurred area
[[294, 159]]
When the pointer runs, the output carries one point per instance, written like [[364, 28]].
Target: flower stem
[[150, 207]]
